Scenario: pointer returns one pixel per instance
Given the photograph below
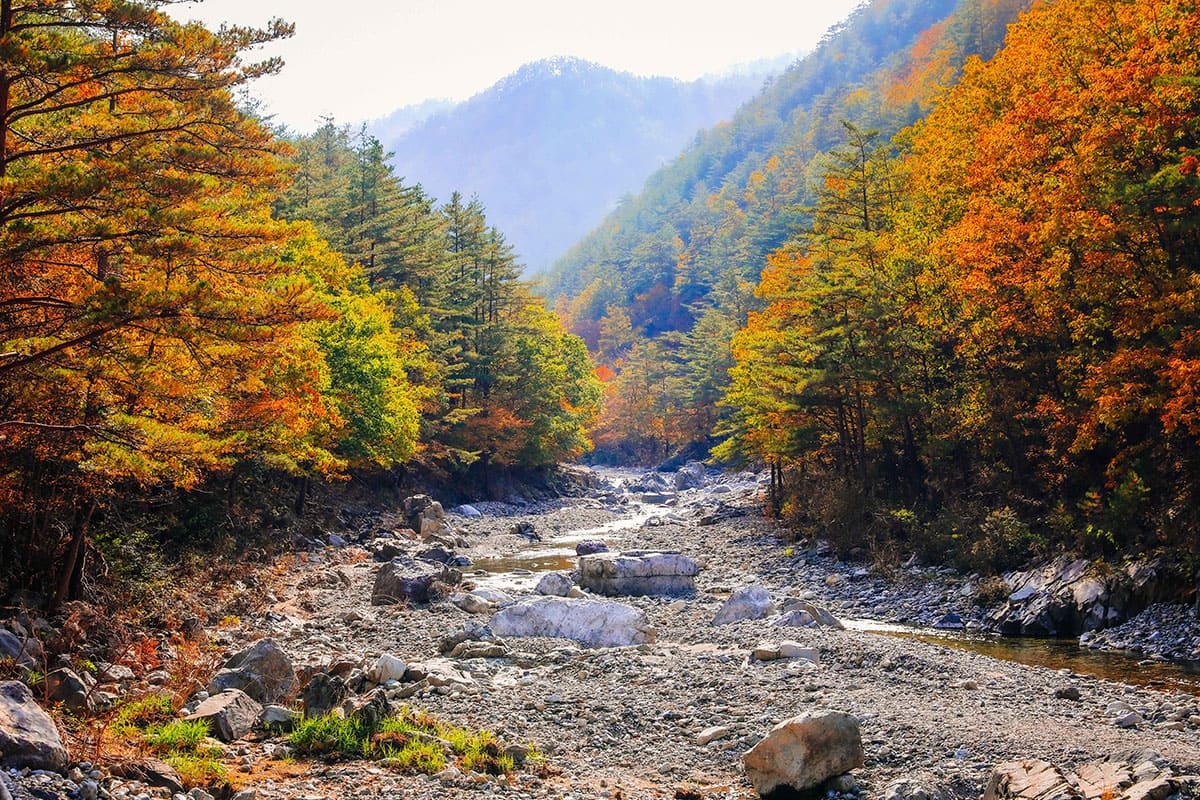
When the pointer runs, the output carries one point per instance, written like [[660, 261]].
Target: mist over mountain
[[553, 147]]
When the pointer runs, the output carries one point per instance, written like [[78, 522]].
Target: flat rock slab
[[28, 737], [594, 623], [805, 751], [638, 573]]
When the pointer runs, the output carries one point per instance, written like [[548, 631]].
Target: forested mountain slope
[[552, 147]]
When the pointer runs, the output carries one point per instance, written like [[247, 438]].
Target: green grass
[[132, 717], [178, 735], [410, 740]]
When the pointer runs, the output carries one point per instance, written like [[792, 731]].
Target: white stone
[[594, 623]]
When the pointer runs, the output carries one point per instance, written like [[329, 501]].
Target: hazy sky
[[360, 59]]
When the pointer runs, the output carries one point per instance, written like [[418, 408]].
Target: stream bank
[[674, 715]]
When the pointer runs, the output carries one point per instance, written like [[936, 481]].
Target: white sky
[[360, 59]]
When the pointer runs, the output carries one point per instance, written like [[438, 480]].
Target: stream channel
[[522, 570]]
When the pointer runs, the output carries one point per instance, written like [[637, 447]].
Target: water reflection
[[1054, 654]]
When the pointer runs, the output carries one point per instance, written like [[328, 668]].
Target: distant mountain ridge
[[554, 146]]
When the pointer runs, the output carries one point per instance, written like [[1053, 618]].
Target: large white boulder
[[594, 623]]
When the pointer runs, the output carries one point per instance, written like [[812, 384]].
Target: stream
[[522, 570]]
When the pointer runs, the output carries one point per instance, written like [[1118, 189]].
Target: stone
[[400, 581], [114, 673], [712, 734], [1067, 693], [1032, 779], [638, 573], [1128, 719], [690, 476], [322, 694], [593, 623], [22, 651], [949, 622], [279, 718], [557, 584], [1066, 597], [370, 709], [28, 737], [472, 603], [262, 671], [475, 649], [66, 687], [436, 554], [230, 715], [918, 787], [805, 751], [150, 771], [337, 541], [468, 511], [590, 548], [794, 611], [387, 668], [749, 602], [791, 650]]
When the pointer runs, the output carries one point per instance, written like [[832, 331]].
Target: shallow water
[[1053, 654], [522, 569]]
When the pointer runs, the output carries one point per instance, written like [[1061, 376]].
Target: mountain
[[554, 146], [709, 218], [402, 120]]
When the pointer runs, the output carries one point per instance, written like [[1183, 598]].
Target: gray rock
[[322, 694], [749, 602], [803, 614], [230, 715], [279, 718], [805, 751], [590, 548], [149, 771], [557, 584], [1069, 597], [399, 581], [66, 687], [638, 573], [471, 512], [595, 623], [22, 651], [263, 671], [916, 787], [28, 737], [1128, 719]]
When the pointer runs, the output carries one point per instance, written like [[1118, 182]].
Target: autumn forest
[[940, 277]]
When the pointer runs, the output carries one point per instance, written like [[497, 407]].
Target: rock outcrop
[[1140, 775], [1067, 598], [594, 623], [805, 751]]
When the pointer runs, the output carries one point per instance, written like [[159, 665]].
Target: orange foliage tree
[[149, 330]]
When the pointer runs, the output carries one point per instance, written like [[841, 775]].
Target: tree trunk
[[70, 580]]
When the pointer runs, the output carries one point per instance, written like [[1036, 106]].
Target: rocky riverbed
[[673, 715]]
